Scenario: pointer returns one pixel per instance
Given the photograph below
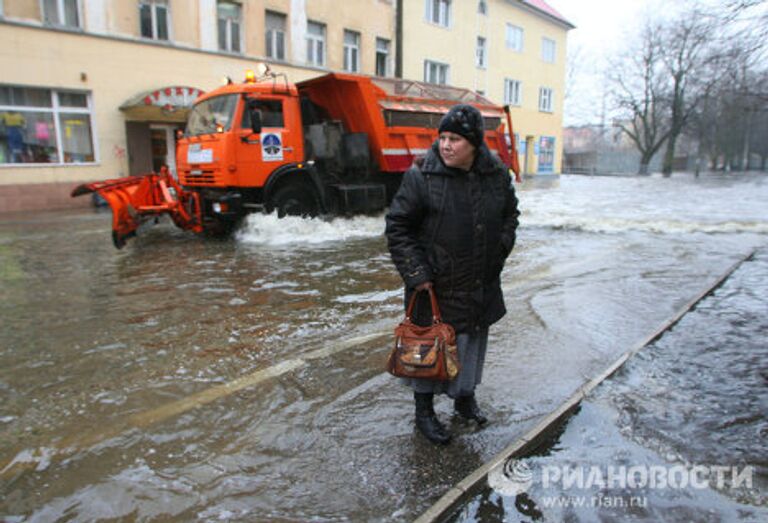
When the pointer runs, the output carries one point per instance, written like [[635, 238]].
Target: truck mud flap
[[136, 199]]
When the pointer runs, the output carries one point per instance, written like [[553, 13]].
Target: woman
[[451, 226]]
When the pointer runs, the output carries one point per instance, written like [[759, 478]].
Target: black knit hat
[[465, 120]]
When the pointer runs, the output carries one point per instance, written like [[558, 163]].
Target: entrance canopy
[[167, 104]]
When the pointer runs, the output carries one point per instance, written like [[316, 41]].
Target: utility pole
[[399, 39]]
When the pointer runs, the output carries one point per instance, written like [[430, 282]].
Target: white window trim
[[315, 39], [60, 11], [428, 63], [520, 47], [153, 4], [271, 33], [55, 110], [544, 42], [481, 53], [352, 52], [548, 107], [508, 82], [429, 14], [384, 52], [228, 37]]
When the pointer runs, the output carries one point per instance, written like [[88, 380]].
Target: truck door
[[259, 155]]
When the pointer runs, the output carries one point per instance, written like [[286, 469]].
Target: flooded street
[[185, 378]]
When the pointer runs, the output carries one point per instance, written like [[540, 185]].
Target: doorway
[[162, 139]]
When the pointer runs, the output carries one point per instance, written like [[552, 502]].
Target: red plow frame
[[136, 199]]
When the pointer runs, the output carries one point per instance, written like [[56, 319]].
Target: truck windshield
[[206, 116]]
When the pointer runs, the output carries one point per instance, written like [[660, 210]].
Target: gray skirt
[[471, 347]]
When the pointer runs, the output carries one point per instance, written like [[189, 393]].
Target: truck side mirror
[[255, 115]]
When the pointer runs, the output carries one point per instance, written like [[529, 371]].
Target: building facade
[[96, 89]]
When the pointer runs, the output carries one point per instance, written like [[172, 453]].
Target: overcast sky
[[602, 29]]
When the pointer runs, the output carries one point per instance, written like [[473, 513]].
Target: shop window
[[546, 154], [315, 43], [229, 17], [43, 126], [275, 35], [63, 13], [153, 16], [351, 51]]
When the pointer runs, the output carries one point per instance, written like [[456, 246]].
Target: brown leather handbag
[[427, 353]]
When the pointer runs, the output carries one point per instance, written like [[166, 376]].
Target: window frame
[[313, 41], [61, 14], [271, 35], [546, 47], [153, 6], [441, 69], [482, 7], [382, 51], [481, 53], [229, 22], [546, 100], [440, 17], [57, 110], [516, 44], [351, 62], [513, 86]]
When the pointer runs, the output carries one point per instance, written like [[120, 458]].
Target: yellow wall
[[456, 45]]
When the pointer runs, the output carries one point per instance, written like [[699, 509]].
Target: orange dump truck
[[337, 144]]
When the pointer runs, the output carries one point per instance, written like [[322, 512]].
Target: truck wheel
[[295, 200]]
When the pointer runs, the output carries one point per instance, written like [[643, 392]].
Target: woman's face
[[456, 151]]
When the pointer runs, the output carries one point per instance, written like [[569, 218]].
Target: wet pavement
[[191, 379], [691, 406]]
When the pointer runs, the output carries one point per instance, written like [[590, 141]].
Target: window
[[61, 12], [271, 113], [546, 154], [435, 72], [351, 51], [275, 34], [512, 92], [207, 116], [45, 126], [229, 16], [482, 7], [481, 53], [548, 50], [515, 38], [545, 100], [153, 15], [439, 12], [382, 57], [315, 43]]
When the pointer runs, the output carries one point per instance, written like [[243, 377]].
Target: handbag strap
[[436, 318]]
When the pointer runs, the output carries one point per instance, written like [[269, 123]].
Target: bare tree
[[691, 62], [638, 86]]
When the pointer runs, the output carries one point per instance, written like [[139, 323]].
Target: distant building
[[96, 89], [598, 149]]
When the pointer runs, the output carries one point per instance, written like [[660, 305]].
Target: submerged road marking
[[40, 458]]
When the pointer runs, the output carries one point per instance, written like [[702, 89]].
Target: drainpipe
[[399, 39]]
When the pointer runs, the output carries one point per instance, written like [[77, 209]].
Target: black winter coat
[[456, 229]]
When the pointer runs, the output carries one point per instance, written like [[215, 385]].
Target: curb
[[452, 499]]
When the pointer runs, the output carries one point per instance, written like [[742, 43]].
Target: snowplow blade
[[136, 199]]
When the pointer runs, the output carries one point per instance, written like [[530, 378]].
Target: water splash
[[268, 229]]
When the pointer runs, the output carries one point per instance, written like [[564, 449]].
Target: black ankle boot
[[426, 420], [467, 408]]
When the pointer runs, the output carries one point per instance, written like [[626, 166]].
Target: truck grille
[[198, 177]]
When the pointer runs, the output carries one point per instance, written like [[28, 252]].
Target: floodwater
[[189, 379], [687, 413]]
